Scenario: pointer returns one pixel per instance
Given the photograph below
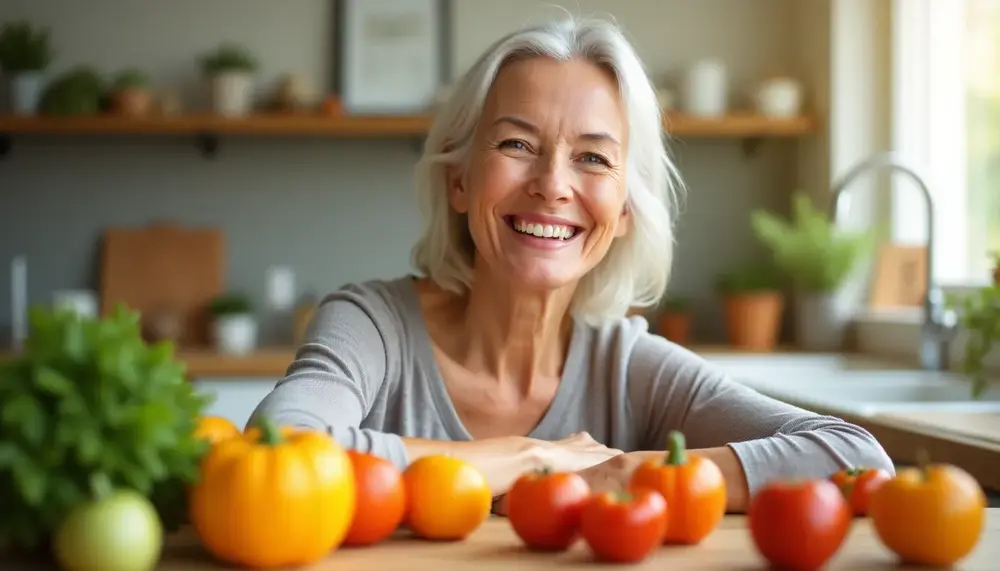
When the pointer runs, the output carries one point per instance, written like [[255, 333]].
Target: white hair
[[636, 269]]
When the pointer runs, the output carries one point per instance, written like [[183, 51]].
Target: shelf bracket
[[751, 146], [208, 144], [5, 145]]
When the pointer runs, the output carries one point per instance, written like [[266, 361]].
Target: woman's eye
[[514, 144], [595, 159]]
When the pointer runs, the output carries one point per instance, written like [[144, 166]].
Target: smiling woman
[[547, 194]]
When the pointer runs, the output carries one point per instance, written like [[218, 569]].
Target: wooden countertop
[[494, 546]]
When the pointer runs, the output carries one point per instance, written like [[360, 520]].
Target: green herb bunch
[[24, 48], [809, 248], [229, 57], [750, 278], [89, 401], [979, 314]]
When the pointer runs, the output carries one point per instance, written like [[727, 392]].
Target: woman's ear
[[457, 195]]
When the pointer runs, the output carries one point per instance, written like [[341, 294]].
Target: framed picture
[[392, 56]]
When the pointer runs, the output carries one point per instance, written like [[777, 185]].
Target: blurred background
[[233, 158]]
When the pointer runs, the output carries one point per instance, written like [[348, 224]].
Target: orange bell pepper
[[693, 486], [930, 515]]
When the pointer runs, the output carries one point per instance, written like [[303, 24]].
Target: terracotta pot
[[675, 326], [753, 320], [133, 102]]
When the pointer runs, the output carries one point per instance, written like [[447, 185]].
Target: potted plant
[[753, 306], [817, 257], [230, 70], [25, 54], [675, 319], [234, 324], [131, 94], [76, 92], [979, 314]]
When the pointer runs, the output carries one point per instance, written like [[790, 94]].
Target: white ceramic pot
[[25, 92], [820, 322], [235, 334], [705, 89], [779, 97], [232, 93]]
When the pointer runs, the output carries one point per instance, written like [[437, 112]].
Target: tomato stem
[[676, 453], [622, 496], [270, 434]]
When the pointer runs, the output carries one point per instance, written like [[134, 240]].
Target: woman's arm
[[752, 437]]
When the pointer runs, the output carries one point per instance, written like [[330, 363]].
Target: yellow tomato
[[448, 498]]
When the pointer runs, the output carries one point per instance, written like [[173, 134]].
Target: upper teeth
[[544, 230]]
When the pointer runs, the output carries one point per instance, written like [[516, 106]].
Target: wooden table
[[494, 546]]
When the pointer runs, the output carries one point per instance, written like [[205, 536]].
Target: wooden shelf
[[207, 129]]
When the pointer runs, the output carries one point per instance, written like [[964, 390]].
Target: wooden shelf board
[[735, 126]]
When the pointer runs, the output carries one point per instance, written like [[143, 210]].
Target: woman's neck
[[513, 334]]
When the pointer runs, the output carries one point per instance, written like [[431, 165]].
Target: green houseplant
[[89, 409], [25, 54], [234, 324], [77, 91], [818, 258], [979, 315], [995, 256], [753, 306], [131, 94], [230, 70]]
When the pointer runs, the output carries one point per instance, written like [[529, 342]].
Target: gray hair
[[636, 269]]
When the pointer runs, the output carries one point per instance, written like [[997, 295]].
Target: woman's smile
[[541, 231]]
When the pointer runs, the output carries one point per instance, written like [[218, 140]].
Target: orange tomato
[[930, 515], [544, 508], [693, 486], [448, 498], [215, 429], [857, 485], [624, 527], [381, 499]]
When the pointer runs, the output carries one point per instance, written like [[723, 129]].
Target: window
[[946, 120]]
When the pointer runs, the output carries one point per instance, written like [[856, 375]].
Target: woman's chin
[[541, 276]]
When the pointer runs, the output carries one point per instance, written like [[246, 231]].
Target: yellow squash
[[276, 498]]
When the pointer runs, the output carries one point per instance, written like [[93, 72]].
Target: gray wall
[[337, 211]]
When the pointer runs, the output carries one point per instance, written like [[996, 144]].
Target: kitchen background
[[333, 211]]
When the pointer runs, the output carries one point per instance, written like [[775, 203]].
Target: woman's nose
[[553, 181]]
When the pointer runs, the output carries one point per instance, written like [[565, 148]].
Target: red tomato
[[624, 527], [381, 499], [544, 508], [799, 525], [857, 485]]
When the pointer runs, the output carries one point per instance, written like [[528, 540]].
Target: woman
[[547, 195]]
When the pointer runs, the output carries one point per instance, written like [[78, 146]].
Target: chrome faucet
[[939, 323]]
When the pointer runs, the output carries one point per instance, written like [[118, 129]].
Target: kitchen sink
[[843, 384]]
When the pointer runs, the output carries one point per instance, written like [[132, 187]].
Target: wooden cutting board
[[984, 425], [164, 270]]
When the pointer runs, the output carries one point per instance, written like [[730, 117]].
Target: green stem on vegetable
[[676, 453], [270, 433], [923, 462]]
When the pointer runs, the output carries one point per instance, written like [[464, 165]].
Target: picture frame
[[391, 57]]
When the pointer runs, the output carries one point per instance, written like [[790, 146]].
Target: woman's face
[[544, 186]]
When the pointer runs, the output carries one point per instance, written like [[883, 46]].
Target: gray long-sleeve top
[[367, 373]]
